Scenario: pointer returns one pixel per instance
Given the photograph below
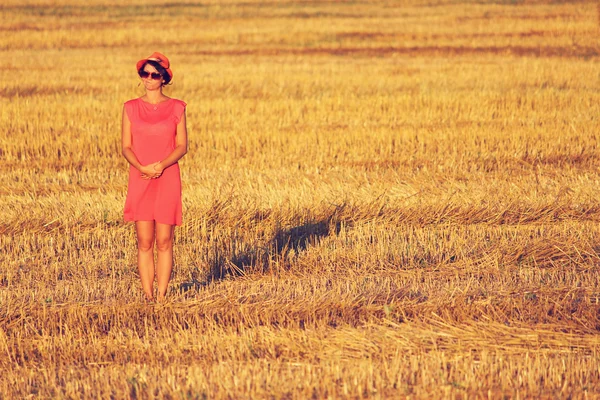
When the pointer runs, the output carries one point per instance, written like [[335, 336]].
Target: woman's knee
[[145, 244], [145, 235], [164, 243]]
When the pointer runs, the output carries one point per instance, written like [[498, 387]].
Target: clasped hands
[[151, 171]]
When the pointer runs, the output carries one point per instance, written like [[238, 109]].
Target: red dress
[[153, 139]]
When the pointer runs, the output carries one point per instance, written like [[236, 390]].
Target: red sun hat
[[161, 59]]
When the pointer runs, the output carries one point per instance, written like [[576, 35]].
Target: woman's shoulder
[[178, 109], [179, 102], [130, 107], [131, 102]]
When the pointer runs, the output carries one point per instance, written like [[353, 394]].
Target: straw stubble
[[381, 200]]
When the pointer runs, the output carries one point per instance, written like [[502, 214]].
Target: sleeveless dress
[[153, 134]]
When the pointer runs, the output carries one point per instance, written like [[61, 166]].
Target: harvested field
[[382, 199]]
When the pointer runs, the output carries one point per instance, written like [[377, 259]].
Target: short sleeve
[[129, 109], [179, 109]]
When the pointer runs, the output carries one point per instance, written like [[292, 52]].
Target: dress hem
[[143, 219]]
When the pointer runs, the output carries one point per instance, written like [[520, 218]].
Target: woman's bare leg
[[145, 241], [164, 265]]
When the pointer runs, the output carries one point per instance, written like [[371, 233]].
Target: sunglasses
[[154, 75]]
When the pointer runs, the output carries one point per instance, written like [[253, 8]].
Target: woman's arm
[[181, 145], [147, 171]]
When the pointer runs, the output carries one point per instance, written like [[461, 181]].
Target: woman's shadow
[[284, 243]]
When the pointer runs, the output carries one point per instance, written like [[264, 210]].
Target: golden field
[[382, 199]]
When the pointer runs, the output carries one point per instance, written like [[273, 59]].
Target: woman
[[154, 138]]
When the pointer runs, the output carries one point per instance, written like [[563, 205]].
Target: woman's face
[[149, 83]]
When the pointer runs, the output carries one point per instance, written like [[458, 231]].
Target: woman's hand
[[151, 171], [158, 167]]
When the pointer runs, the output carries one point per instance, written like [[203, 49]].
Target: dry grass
[[382, 200]]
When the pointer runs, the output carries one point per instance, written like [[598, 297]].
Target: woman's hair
[[161, 70]]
